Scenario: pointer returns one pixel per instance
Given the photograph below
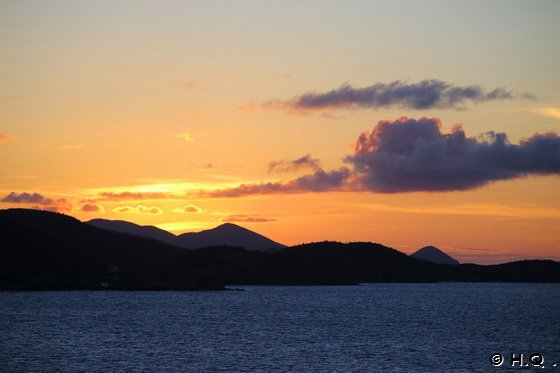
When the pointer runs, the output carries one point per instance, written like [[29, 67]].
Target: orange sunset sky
[[400, 122]]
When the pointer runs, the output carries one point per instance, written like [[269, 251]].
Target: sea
[[440, 327]]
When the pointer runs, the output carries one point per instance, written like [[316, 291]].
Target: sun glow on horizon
[[357, 138]]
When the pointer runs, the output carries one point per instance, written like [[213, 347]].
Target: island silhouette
[[44, 250]]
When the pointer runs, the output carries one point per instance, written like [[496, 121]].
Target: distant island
[[50, 251]]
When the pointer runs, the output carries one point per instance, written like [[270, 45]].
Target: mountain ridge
[[225, 234]]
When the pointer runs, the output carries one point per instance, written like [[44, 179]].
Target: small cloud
[[123, 209], [140, 209], [187, 136], [191, 85], [39, 201], [6, 138], [25, 197], [73, 147], [552, 112], [305, 162], [188, 209], [92, 207], [246, 219]]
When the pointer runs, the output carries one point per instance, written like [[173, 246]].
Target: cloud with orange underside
[[246, 219], [92, 208], [139, 209], [127, 195], [188, 209]]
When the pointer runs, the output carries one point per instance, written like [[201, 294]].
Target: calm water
[[381, 327]]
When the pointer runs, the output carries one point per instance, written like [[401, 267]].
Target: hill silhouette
[[49, 251], [146, 231], [228, 234], [225, 234], [46, 250], [434, 255]]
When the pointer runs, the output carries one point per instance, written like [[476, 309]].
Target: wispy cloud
[[4, 138], [247, 219], [140, 209], [427, 94], [284, 165]]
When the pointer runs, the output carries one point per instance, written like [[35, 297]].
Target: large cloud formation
[[409, 155], [414, 155], [427, 94]]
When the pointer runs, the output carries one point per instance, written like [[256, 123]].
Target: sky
[[400, 122]]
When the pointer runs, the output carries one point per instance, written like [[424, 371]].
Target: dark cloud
[[427, 94], [246, 219], [408, 155], [39, 201], [319, 181], [285, 165], [25, 197], [414, 155]]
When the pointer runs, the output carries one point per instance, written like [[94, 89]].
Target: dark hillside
[[44, 250]]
